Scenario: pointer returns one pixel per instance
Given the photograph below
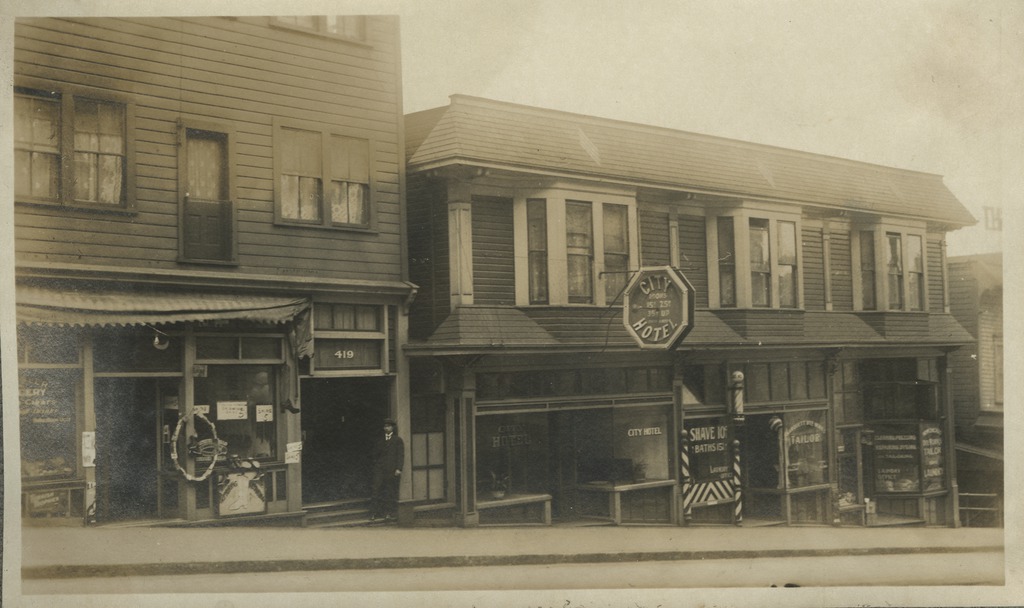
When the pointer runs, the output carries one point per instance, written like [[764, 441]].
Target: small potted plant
[[499, 485]]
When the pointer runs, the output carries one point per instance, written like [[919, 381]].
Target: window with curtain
[[323, 178], [867, 270], [537, 247], [915, 272], [894, 265], [760, 264], [616, 251], [580, 251], [787, 264], [70, 149], [726, 263]]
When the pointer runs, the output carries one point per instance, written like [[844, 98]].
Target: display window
[[240, 400], [512, 454], [48, 423], [806, 449]]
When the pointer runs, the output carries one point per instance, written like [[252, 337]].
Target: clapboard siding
[[428, 255], [842, 270], [814, 269], [936, 293], [240, 73], [693, 255], [494, 280], [654, 238]]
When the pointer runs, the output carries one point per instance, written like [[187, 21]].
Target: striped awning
[[49, 306]]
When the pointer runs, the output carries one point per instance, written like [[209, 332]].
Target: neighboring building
[[976, 300], [822, 280], [209, 218]]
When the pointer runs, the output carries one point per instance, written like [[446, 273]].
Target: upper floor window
[[537, 245], [352, 27], [761, 247], [586, 262], [579, 251], [993, 218], [322, 178], [71, 148], [889, 269]]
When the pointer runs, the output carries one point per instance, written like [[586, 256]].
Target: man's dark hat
[[390, 421]]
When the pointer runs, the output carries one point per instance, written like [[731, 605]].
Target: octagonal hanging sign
[[657, 308]]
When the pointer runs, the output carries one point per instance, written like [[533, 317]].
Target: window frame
[[326, 133], [557, 200], [882, 232], [66, 96], [742, 217]]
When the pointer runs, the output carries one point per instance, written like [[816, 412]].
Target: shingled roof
[[499, 135]]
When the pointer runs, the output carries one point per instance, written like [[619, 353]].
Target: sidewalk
[[83, 552]]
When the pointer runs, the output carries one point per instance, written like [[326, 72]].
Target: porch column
[[463, 395]]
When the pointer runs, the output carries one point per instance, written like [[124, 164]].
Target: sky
[[930, 86], [934, 86]]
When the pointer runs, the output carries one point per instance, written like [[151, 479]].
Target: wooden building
[[976, 300], [822, 280], [210, 264]]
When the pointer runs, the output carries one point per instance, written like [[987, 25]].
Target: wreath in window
[[213, 447]]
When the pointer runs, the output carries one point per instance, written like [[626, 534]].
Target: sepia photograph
[[527, 303]]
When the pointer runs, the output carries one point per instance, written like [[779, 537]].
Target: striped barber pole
[[684, 473], [738, 506]]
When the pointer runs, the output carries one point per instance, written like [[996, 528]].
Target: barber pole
[[737, 488], [684, 470]]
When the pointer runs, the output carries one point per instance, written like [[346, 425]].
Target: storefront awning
[[48, 306]]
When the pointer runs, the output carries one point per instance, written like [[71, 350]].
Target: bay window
[[763, 246], [569, 250], [889, 269]]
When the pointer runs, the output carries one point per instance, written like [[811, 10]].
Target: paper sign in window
[[264, 413], [232, 410]]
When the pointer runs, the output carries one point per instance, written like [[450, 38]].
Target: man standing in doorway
[[388, 457]]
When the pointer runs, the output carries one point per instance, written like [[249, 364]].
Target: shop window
[[350, 317], [784, 381], [806, 449], [908, 458], [233, 348], [48, 407], [71, 148], [562, 383], [322, 178], [848, 451], [207, 212], [242, 404], [512, 454], [586, 260], [428, 466]]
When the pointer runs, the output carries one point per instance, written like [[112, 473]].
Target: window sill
[[202, 262], [333, 227], [79, 207]]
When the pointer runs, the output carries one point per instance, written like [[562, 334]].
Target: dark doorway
[[126, 449], [341, 418]]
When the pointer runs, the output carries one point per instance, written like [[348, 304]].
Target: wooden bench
[[515, 500], [615, 492]]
